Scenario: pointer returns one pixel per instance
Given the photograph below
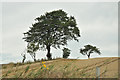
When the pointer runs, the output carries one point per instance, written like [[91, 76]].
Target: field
[[63, 68]]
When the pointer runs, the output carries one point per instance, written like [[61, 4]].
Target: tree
[[89, 49], [24, 57], [52, 29], [31, 49], [66, 52], [23, 54]]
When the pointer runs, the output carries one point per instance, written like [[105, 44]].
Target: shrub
[[66, 52]]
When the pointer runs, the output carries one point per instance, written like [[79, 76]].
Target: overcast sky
[[98, 24]]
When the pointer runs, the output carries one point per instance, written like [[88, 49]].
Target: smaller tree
[[23, 54], [89, 49], [24, 57], [31, 49], [66, 52]]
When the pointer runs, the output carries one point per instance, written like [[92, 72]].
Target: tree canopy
[[66, 52], [52, 29], [89, 49]]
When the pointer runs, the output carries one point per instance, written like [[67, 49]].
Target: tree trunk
[[23, 60], [34, 57], [24, 57], [48, 53], [34, 60], [88, 55]]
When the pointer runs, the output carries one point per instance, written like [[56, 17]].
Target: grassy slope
[[64, 68]]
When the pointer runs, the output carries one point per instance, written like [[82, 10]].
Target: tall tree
[[89, 49], [31, 49], [52, 30], [66, 52]]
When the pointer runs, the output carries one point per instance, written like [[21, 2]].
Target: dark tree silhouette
[[24, 57], [31, 49], [66, 52], [23, 54], [52, 30], [89, 49]]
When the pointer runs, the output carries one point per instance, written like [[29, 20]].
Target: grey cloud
[[96, 21]]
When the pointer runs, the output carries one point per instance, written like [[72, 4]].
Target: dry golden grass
[[64, 68]]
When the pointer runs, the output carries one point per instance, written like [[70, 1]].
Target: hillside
[[64, 68]]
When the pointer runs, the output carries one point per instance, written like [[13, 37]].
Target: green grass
[[27, 68], [9, 72]]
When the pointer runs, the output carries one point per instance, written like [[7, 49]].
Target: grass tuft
[[27, 68]]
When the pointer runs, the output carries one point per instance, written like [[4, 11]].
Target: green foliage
[[66, 52], [27, 68], [89, 49], [52, 29], [31, 49]]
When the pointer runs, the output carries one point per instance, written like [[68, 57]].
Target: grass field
[[63, 68]]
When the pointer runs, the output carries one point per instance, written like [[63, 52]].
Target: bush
[[66, 52]]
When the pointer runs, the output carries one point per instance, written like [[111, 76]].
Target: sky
[[97, 22]]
